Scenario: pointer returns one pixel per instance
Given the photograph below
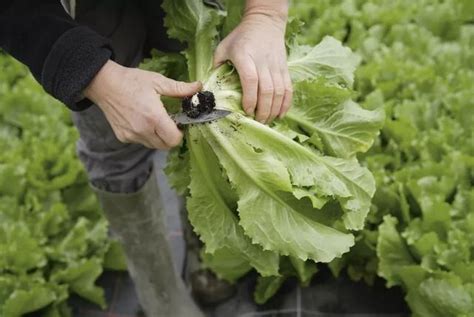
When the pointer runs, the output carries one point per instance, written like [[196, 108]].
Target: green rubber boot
[[138, 221]]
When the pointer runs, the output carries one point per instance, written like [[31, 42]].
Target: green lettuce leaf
[[22, 302], [81, 278], [211, 211], [339, 125], [193, 22], [260, 176], [440, 297], [267, 287], [234, 10], [329, 58], [392, 251], [50, 220]]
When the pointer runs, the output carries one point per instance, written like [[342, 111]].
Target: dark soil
[[205, 105]]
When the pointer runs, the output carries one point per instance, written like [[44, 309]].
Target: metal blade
[[182, 119]]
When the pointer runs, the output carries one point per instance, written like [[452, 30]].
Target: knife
[[182, 119]]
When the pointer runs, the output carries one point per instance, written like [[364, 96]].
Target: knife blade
[[182, 119]]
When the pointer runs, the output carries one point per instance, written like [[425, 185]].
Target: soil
[[206, 103]]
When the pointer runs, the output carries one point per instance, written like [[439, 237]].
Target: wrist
[[276, 11], [103, 82]]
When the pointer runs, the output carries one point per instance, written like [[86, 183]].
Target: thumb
[[173, 88], [220, 56]]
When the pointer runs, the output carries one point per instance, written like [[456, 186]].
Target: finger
[[152, 145], [278, 94], [166, 128], [249, 80], [147, 136], [286, 104], [265, 94], [151, 139], [157, 142], [172, 88]]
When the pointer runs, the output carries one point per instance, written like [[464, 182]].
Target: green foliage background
[[418, 61], [53, 237]]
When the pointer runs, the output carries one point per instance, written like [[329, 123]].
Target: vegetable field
[[418, 62], [371, 172], [53, 238]]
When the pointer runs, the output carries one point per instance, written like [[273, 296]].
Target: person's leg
[[205, 286], [122, 176]]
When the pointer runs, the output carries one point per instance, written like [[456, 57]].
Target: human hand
[[256, 47], [130, 100]]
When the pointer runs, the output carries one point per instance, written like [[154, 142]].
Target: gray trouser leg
[[138, 220], [124, 182], [128, 192], [111, 165]]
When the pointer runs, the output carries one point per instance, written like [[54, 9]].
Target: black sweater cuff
[[74, 60]]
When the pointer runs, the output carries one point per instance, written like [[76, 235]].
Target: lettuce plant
[[273, 198], [53, 236], [417, 62]]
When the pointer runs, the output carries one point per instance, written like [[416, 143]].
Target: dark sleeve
[[62, 55]]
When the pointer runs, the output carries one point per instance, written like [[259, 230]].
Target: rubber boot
[[138, 221]]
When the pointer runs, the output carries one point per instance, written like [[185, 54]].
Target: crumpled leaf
[[81, 278], [24, 294], [22, 302], [326, 112], [49, 219], [392, 251], [19, 251], [329, 57], [439, 298]]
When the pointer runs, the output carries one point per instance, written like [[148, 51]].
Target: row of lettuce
[[53, 237], [417, 60]]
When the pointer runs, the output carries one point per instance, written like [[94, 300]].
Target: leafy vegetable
[[271, 198], [53, 237], [416, 60]]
